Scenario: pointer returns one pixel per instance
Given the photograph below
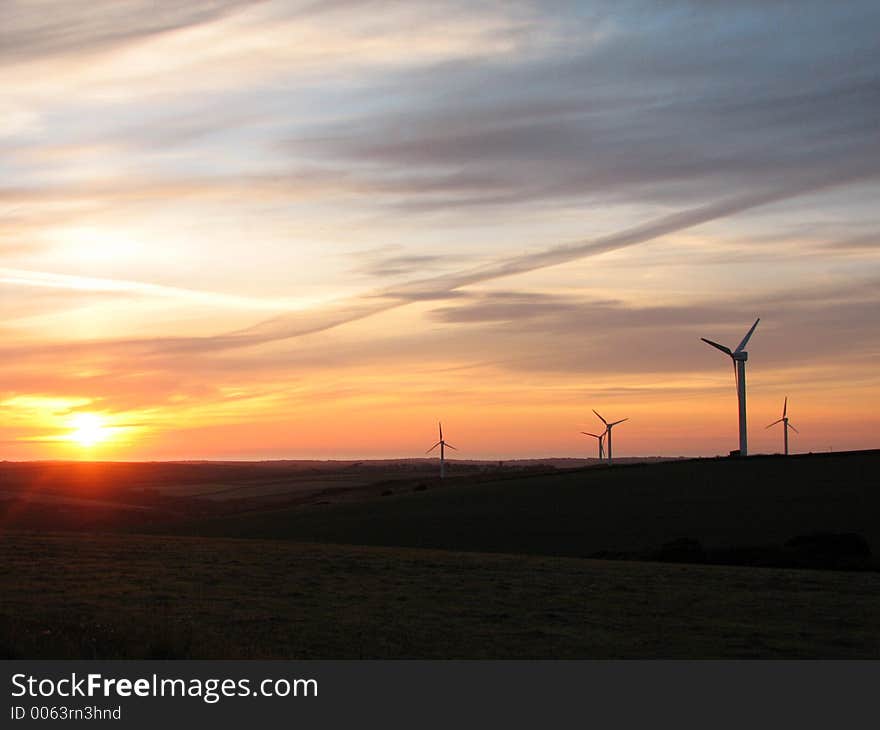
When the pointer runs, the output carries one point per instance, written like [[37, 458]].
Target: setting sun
[[88, 430]]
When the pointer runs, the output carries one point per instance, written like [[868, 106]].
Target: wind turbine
[[608, 427], [601, 438], [785, 424], [443, 446], [739, 357]]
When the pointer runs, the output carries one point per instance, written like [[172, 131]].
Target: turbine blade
[[600, 418], [441, 429], [449, 446], [594, 435], [774, 423], [432, 448], [745, 339], [792, 427], [723, 349], [616, 422], [784, 406]]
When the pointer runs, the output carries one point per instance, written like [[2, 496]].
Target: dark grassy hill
[[763, 500], [76, 595]]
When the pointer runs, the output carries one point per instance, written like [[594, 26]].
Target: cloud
[[513, 306], [571, 334], [96, 285], [383, 263], [440, 287], [336, 314], [620, 107], [31, 30], [861, 243]]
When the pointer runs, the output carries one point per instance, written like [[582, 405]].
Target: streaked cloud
[[54, 27], [49, 280]]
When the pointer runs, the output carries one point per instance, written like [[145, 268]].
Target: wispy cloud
[[31, 30], [335, 314], [440, 287], [50, 280], [623, 108]]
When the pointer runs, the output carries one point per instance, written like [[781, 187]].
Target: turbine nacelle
[[735, 355]]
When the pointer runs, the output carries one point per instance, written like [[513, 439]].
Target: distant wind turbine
[[601, 438], [443, 446], [608, 427], [785, 423], [739, 357]]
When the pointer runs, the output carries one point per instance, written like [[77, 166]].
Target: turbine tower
[[601, 439], [739, 357], [443, 446], [608, 427], [785, 423]]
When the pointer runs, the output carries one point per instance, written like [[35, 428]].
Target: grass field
[[106, 596]]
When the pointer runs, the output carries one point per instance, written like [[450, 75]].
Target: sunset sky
[[312, 229]]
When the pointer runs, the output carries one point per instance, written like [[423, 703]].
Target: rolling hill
[[722, 503]]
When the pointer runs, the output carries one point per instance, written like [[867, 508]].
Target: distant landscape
[[765, 556], [89, 494]]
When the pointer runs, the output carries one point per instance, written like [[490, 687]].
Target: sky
[[259, 230]]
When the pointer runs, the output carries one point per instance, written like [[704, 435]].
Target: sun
[[88, 429]]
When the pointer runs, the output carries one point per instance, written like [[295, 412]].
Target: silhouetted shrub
[[420, 487], [830, 549], [757, 555], [613, 555], [681, 550], [387, 493]]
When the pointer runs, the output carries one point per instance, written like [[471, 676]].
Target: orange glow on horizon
[[357, 413]]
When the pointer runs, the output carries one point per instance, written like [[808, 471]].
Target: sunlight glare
[[88, 430]]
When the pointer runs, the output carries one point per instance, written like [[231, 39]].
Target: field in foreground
[[111, 596]]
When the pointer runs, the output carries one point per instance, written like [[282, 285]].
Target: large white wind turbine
[[443, 446], [601, 438], [785, 423], [739, 357], [608, 427]]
